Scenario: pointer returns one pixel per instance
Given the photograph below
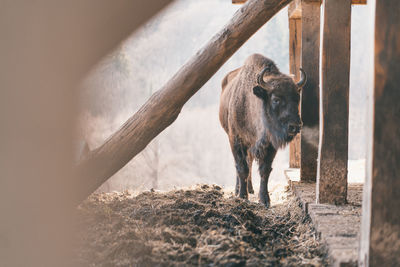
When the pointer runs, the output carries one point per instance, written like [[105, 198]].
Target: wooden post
[[164, 106], [294, 65], [380, 230], [310, 16], [333, 146]]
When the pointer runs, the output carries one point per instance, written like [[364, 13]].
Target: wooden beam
[[294, 10], [310, 93], [380, 228], [294, 65], [353, 2], [359, 2], [333, 146], [238, 1], [164, 106]]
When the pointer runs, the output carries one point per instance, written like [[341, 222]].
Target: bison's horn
[[260, 79], [303, 79]]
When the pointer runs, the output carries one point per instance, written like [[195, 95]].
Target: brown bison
[[259, 112]]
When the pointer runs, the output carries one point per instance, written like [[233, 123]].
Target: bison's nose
[[293, 129]]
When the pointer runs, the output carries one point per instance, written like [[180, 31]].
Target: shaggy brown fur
[[258, 120]]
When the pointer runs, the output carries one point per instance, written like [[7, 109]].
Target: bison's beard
[[275, 134], [278, 139]]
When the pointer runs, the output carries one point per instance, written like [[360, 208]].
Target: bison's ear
[[260, 92]]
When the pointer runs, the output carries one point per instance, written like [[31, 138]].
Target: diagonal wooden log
[[164, 106], [295, 12]]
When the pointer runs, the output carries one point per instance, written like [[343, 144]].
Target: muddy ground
[[202, 226]]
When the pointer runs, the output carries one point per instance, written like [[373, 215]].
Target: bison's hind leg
[[250, 188], [239, 151], [237, 185]]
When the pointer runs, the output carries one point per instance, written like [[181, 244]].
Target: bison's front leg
[[249, 182], [265, 168], [239, 152]]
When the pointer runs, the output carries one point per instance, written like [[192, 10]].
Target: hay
[[201, 226]]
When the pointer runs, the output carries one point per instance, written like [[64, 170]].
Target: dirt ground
[[201, 226]]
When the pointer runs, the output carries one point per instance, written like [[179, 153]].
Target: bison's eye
[[276, 101]]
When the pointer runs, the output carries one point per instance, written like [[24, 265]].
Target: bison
[[259, 112]]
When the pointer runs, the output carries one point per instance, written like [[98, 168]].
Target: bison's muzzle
[[293, 129]]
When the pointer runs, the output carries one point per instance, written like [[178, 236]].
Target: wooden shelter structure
[[381, 215], [325, 108], [325, 105]]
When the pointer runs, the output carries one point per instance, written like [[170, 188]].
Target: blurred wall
[[46, 47]]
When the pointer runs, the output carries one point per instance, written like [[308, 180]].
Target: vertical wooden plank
[[380, 230], [333, 147], [294, 65], [295, 152], [310, 93]]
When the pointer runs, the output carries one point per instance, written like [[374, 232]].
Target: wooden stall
[[324, 108], [321, 151]]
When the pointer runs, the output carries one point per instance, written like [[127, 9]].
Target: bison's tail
[[229, 77]]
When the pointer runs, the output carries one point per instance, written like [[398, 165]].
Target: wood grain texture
[[380, 231], [238, 1], [294, 66], [333, 146], [310, 93], [164, 106], [359, 2], [353, 2], [294, 10]]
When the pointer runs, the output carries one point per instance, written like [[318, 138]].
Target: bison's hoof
[[244, 196], [250, 189], [265, 201]]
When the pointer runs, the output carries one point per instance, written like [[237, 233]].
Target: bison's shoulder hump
[[259, 61], [228, 77]]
